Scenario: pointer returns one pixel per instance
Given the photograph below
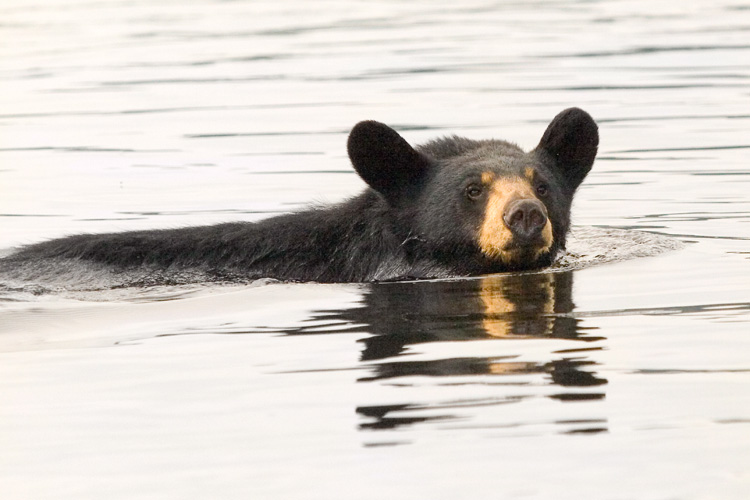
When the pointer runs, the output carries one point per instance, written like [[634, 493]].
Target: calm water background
[[625, 380]]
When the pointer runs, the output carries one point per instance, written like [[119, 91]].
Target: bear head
[[478, 206]]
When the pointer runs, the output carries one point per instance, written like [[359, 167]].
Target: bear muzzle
[[516, 229]]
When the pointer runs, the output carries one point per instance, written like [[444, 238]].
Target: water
[[622, 373]]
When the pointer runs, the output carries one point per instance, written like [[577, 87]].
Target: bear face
[[479, 206]]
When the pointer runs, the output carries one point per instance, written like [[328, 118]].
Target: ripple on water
[[588, 246]]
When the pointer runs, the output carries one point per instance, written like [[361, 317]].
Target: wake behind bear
[[450, 207]]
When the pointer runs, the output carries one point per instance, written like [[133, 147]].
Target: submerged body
[[451, 207]]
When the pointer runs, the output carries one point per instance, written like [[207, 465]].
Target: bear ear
[[384, 159], [571, 141]]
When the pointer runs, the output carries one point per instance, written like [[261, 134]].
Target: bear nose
[[525, 218]]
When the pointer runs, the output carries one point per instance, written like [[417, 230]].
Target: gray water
[[622, 373]]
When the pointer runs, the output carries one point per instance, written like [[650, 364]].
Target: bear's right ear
[[571, 141], [384, 159]]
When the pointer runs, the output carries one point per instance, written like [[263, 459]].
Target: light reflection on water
[[130, 115]]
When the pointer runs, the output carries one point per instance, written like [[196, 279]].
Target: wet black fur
[[413, 221]]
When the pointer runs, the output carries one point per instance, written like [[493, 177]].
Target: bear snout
[[526, 218]]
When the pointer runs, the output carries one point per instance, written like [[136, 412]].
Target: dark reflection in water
[[564, 372], [501, 306], [512, 306], [381, 420]]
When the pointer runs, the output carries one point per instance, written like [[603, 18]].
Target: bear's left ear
[[571, 141], [384, 159]]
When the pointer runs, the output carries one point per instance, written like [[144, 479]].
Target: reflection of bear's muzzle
[[526, 219]]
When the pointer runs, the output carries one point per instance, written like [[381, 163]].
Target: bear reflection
[[506, 306], [500, 306]]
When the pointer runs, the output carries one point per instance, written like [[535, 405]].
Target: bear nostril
[[537, 218], [517, 219], [525, 218]]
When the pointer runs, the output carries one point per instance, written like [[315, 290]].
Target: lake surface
[[622, 373]]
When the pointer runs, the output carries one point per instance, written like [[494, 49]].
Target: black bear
[[450, 207]]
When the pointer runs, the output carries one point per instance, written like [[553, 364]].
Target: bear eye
[[542, 189], [473, 192]]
